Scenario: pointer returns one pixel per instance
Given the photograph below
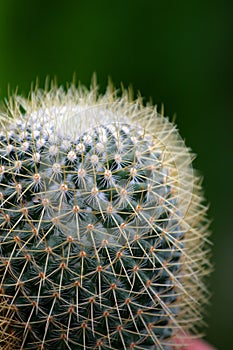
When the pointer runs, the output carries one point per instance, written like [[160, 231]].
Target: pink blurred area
[[197, 344], [192, 344]]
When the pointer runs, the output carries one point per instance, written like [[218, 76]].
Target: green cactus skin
[[102, 228]]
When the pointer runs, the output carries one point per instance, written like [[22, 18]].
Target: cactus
[[102, 222]]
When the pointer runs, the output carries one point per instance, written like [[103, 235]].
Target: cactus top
[[102, 227]]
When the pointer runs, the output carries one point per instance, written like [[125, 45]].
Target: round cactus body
[[102, 227]]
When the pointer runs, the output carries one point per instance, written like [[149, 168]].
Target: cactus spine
[[102, 222]]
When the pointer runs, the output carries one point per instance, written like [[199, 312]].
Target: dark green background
[[177, 52]]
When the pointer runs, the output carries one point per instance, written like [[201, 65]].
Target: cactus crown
[[102, 222]]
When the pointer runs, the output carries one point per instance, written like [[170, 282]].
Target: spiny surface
[[97, 251]]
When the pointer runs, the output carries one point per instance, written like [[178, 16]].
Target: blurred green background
[[179, 53]]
